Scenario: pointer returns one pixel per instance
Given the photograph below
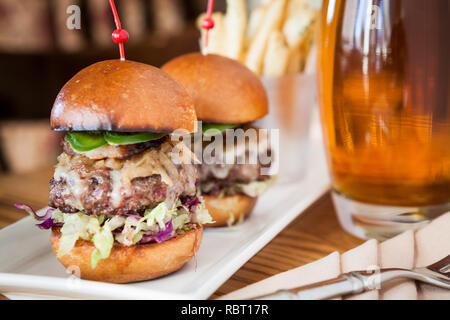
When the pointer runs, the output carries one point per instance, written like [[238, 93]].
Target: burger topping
[[211, 129], [116, 138], [159, 224], [120, 186], [83, 141], [224, 188], [113, 152]]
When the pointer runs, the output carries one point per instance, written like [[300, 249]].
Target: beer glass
[[384, 94]]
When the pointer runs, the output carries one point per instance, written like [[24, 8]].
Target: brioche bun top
[[223, 90], [123, 96]]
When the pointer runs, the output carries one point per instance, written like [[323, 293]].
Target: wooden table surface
[[312, 235]]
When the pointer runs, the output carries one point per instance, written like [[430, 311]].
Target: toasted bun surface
[[123, 96], [222, 208], [133, 263], [224, 90]]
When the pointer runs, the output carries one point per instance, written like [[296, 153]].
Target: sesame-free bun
[[124, 96], [223, 89], [228, 209], [134, 263]]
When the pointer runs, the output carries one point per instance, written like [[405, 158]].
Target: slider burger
[[227, 95], [119, 208]]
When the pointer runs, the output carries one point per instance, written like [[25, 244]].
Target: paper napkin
[[407, 250]]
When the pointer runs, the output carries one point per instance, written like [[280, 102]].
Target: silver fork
[[437, 274]]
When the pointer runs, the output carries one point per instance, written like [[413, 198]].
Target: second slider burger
[[120, 209], [226, 95]]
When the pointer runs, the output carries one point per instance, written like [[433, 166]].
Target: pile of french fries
[[273, 38]]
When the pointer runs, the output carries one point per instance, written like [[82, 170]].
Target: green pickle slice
[[218, 126], [119, 138], [83, 141]]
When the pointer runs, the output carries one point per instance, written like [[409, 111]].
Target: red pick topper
[[120, 36], [208, 22]]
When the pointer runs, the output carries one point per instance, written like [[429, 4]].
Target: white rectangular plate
[[29, 270]]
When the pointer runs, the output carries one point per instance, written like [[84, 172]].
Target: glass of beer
[[384, 94]]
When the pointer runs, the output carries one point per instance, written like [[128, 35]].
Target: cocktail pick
[[119, 36], [208, 22]]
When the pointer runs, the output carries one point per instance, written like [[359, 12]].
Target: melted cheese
[[75, 185], [116, 195]]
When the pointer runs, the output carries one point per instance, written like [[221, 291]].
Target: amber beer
[[384, 91]]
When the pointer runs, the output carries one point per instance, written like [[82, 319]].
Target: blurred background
[[38, 54], [43, 43]]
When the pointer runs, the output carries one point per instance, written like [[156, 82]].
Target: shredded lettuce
[[115, 222], [66, 243], [255, 188], [58, 216], [159, 215], [202, 215], [230, 220], [76, 225], [131, 232], [103, 241], [179, 221]]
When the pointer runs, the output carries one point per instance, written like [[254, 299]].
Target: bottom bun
[[228, 209], [131, 263]]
